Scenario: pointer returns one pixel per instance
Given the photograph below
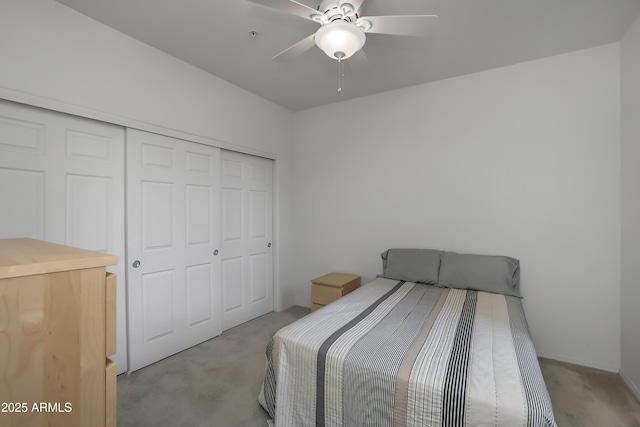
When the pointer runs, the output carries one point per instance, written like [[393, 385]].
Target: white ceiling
[[469, 36]]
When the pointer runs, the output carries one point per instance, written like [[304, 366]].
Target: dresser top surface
[[25, 257]]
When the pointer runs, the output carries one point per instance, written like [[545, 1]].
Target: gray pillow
[[412, 265], [497, 274]]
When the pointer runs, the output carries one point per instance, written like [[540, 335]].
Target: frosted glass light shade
[[339, 39]]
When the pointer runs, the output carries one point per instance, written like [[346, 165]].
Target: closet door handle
[[269, 244], [136, 264], [215, 252]]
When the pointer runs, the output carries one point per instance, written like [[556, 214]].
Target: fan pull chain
[[340, 75]]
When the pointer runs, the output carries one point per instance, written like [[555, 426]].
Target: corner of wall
[[635, 390], [630, 208]]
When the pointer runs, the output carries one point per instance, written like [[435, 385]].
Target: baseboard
[[633, 387], [608, 368]]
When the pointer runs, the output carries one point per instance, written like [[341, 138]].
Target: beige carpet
[[216, 384], [589, 397]]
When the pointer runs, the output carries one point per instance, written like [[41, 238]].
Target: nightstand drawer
[[328, 288], [321, 294]]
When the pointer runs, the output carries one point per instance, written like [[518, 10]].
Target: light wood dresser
[[57, 329], [328, 288]]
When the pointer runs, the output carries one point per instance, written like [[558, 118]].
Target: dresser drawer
[[110, 315], [110, 394]]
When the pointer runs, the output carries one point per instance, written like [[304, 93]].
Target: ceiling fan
[[342, 30]]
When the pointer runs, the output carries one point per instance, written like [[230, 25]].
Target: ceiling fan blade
[[297, 49], [402, 25], [292, 7]]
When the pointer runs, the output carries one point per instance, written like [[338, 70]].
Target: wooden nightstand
[[330, 287]]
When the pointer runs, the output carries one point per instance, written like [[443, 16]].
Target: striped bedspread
[[404, 354]]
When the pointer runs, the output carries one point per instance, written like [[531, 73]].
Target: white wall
[[54, 57], [521, 161], [630, 265]]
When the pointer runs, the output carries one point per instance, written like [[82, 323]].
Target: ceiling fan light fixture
[[339, 39]]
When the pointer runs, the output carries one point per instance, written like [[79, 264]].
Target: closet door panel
[[199, 308], [247, 255], [88, 224], [158, 315], [22, 207], [156, 212], [232, 278], [198, 221], [62, 180], [21, 135], [173, 216]]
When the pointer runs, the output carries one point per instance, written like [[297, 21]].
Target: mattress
[[396, 353]]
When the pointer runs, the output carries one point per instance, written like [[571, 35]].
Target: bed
[[440, 338]]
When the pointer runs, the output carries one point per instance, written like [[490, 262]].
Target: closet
[[191, 224]]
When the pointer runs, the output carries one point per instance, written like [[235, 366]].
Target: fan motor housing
[[333, 11]]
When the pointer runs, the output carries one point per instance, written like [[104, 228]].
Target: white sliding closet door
[[173, 233], [247, 260], [62, 180]]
